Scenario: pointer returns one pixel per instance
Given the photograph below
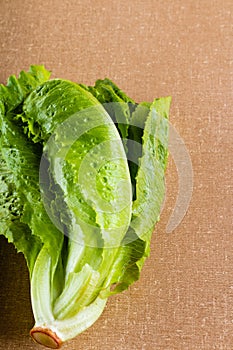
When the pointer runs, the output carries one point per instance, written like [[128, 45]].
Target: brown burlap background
[[184, 299]]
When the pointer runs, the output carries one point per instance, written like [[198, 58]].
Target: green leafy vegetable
[[82, 183]]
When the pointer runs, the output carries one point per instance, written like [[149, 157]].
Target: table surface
[[184, 298]]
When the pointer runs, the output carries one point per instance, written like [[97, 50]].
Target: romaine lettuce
[[82, 183]]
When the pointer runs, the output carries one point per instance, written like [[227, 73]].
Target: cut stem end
[[46, 337]]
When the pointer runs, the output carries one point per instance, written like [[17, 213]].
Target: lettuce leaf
[[20, 158]]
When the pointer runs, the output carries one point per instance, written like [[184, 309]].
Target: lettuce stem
[[46, 337]]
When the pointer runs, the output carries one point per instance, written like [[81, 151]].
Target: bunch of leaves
[[82, 184]]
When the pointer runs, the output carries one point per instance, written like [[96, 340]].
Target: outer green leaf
[[20, 201], [116, 102], [149, 197], [17, 89], [95, 214]]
